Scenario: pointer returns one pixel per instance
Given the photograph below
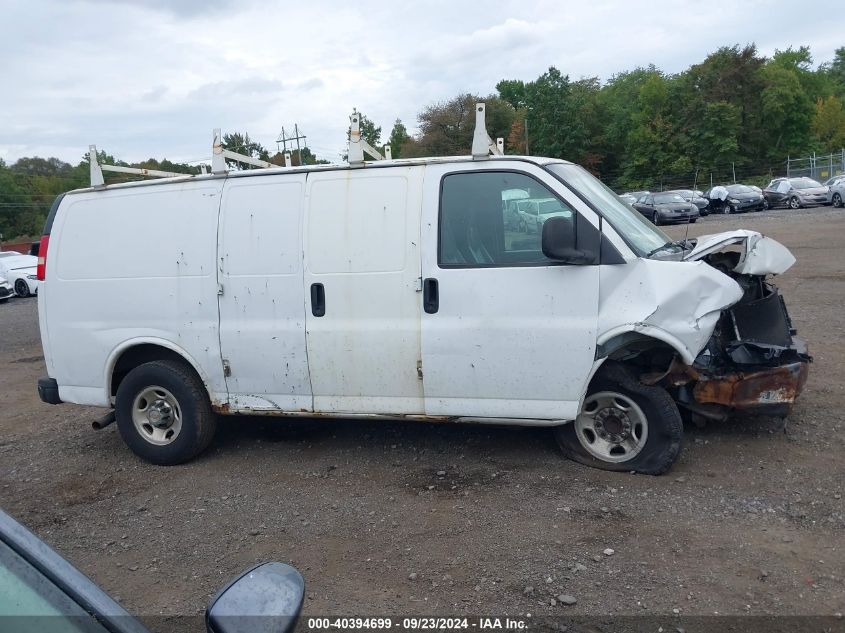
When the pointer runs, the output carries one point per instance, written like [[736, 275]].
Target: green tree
[[243, 144], [787, 111], [828, 124], [398, 138], [446, 128], [561, 117], [836, 71]]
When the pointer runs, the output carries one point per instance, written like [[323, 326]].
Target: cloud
[[238, 88], [148, 78]]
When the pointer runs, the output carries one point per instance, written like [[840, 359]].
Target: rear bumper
[[48, 390]]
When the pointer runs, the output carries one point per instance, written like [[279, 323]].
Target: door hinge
[[419, 369], [419, 286], [220, 290], [227, 368]]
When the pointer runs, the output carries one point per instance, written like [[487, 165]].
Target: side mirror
[[561, 241], [264, 599]]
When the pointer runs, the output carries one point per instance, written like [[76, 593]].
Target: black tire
[[21, 288], [728, 209], [198, 422], [766, 205], [794, 203], [655, 219], [693, 221], [837, 200], [665, 428]]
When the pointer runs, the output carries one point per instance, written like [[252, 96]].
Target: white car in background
[[20, 271], [836, 191], [6, 290]]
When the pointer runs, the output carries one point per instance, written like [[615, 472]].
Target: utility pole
[[527, 151], [283, 139]]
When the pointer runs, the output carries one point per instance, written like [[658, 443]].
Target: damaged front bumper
[[763, 390], [753, 363]]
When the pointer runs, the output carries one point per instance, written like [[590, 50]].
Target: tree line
[[736, 112]]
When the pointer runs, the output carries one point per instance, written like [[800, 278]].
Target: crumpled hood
[[760, 255]]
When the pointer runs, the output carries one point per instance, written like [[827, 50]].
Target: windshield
[[668, 198], [640, 234], [738, 189], [804, 183]]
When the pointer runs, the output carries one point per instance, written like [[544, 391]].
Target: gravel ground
[[409, 518]]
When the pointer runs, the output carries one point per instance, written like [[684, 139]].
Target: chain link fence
[[817, 167]]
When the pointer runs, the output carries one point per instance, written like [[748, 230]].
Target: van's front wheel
[[624, 426], [163, 413]]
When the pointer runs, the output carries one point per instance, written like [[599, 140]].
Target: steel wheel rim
[[794, 203], [157, 416], [611, 427]]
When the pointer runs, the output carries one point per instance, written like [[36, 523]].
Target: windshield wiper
[[681, 244]]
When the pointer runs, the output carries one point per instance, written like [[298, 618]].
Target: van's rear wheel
[[163, 413], [624, 426]]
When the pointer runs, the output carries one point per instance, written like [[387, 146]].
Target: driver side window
[[473, 230]]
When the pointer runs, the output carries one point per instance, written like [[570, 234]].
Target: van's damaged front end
[[752, 361]]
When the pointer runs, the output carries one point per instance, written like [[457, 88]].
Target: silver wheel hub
[[157, 416], [611, 427]]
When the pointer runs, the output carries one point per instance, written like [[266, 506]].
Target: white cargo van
[[397, 289]]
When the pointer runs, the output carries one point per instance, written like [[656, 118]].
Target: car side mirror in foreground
[[264, 599], [561, 241]]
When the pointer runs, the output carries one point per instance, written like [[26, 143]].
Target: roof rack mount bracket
[[482, 144], [357, 145]]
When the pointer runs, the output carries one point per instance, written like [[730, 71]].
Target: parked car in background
[[696, 197], [20, 271], [632, 196], [534, 213], [6, 290], [510, 212], [836, 192], [736, 198], [666, 207], [795, 192], [830, 181], [41, 591]]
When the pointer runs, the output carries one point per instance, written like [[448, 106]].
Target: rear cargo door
[[362, 269], [261, 297]]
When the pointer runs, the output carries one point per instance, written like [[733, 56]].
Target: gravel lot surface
[[409, 518]]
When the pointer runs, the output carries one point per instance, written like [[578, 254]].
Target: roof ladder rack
[[96, 170], [219, 156], [482, 144]]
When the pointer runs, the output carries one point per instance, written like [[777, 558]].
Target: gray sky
[[151, 78]]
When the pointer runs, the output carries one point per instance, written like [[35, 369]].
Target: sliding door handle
[[431, 296], [318, 300]]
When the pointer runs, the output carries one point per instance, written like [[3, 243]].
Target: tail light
[[41, 271]]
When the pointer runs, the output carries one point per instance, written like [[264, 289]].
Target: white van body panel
[[262, 305], [159, 281], [361, 243], [506, 342]]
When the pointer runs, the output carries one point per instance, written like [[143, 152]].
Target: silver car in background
[[836, 192]]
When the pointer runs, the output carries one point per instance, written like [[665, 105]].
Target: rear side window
[[481, 227]]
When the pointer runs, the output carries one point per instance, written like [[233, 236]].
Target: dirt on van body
[[408, 518]]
